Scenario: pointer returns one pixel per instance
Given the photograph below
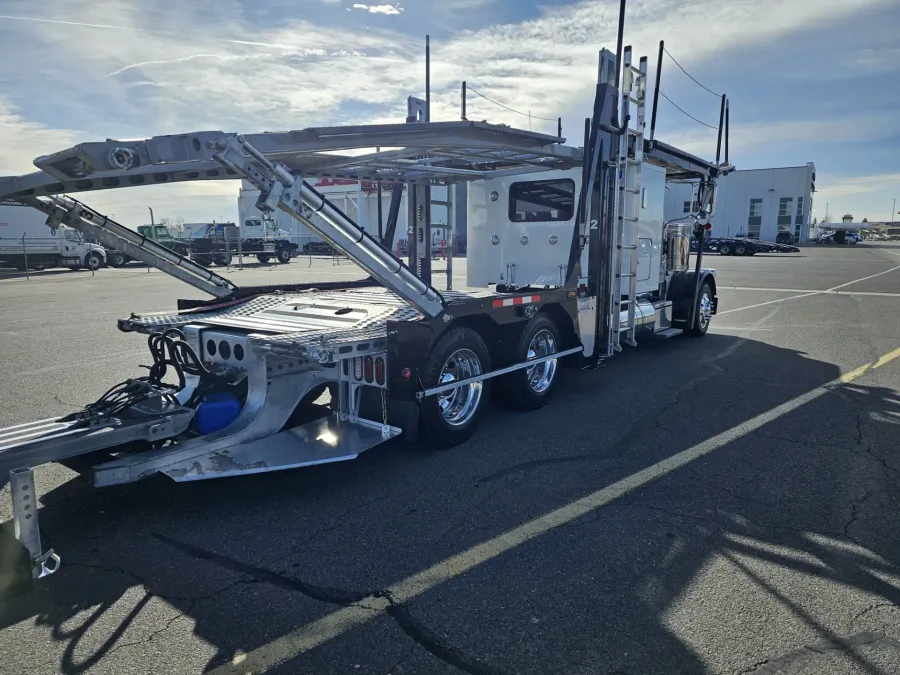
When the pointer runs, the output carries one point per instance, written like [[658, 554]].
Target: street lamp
[[893, 210]]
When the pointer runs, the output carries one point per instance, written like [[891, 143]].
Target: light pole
[[893, 210]]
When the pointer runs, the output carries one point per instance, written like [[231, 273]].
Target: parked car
[[784, 238]]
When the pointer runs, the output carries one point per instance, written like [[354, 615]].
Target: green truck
[[158, 233]]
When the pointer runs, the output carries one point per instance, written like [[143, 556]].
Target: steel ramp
[[56, 439], [318, 442]]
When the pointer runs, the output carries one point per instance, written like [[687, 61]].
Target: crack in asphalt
[[412, 627], [426, 638], [855, 504], [334, 596], [393, 668], [782, 664], [339, 520], [871, 608], [149, 638]]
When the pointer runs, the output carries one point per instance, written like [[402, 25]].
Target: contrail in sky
[[139, 30]]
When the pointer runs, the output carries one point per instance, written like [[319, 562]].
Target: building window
[[799, 219], [754, 220], [756, 208], [785, 205], [691, 207], [542, 201]]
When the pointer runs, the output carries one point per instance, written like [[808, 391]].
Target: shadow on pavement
[[729, 549]]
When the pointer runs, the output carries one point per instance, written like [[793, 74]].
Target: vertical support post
[[559, 127], [659, 60], [427, 78], [727, 106], [451, 221], [25, 256], [152, 223], [462, 101], [380, 215], [412, 205], [721, 130]]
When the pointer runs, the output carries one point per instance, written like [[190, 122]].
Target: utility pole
[[893, 210]]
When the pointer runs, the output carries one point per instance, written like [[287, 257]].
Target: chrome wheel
[[459, 405], [705, 308], [540, 376]]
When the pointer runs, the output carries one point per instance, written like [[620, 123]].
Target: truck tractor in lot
[[221, 242], [158, 233], [27, 243], [570, 261]]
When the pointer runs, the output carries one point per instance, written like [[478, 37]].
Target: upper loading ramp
[[276, 163], [433, 153]]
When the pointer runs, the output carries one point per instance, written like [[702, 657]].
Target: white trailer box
[[27, 242]]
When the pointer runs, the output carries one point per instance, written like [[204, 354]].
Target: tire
[[451, 418], [117, 259], [202, 260], [283, 255], [532, 388], [224, 259], [725, 249], [264, 259], [703, 315], [93, 261], [740, 249]]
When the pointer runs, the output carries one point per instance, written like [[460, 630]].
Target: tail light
[[369, 368], [379, 371], [358, 368]]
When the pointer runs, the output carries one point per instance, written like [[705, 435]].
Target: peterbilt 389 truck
[[569, 261]]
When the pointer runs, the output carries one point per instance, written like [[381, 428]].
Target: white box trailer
[[27, 242], [577, 261]]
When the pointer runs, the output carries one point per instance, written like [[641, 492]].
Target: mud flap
[[15, 565]]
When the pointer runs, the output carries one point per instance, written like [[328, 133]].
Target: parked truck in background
[[158, 233], [26, 242], [259, 237]]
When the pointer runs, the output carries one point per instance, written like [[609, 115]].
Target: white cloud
[[856, 185], [22, 141], [173, 66], [759, 138], [379, 9]]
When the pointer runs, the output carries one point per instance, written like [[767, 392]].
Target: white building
[[758, 203], [359, 200]]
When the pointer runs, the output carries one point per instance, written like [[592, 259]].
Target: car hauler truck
[[570, 241]]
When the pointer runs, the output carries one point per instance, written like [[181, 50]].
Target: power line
[[687, 113], [506, 107], [691, 76]]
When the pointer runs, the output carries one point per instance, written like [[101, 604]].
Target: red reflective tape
[[518, 301], [498, 303], [535, 298]]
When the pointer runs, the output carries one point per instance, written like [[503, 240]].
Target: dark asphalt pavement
[[777, 552]]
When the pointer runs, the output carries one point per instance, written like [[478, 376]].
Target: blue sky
[[808, 81]]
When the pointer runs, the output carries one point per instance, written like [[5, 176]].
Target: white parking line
[[312, 635], [809, 293]]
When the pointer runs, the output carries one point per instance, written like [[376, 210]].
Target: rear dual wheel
[[451, 417]]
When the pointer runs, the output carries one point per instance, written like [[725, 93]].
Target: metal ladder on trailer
[[628, 167]]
